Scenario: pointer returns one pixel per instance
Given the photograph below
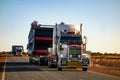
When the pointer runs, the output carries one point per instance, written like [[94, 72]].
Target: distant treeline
[[92, 53], [101, 54], [9, 52]]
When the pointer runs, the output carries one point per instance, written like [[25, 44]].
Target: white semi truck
[[59, 45], [68, 49]]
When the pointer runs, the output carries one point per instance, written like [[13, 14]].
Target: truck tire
[[30, 61], [14, 55], [59, 69], [84, 69], [50, 65], [46, 62], [39, 62]]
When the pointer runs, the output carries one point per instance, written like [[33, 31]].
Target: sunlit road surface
[[18, 68]]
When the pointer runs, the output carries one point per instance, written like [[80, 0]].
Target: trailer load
[[39, 39]]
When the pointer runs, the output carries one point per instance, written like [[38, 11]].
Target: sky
[[100, 19]]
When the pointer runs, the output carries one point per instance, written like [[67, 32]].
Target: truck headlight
[[85, 55], [61, 55], [70, 56], [54, 60], [78, 56]]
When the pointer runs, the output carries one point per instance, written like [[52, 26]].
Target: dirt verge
[[106, 70], [2, 60]]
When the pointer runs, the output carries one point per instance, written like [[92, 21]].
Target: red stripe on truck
[[43, 38], [41, 51]]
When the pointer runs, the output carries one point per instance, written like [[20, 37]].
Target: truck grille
[[74, 52]]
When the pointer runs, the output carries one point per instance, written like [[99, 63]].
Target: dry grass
[[107, 64], [107, 60]]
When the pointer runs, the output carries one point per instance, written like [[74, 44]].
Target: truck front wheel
[[59, 68], [39, 62], [84, 69], [30, 61], [50, 65]]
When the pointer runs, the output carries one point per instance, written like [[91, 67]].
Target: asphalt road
[[18, 68]]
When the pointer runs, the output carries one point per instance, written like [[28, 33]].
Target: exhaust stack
[[81, 28]]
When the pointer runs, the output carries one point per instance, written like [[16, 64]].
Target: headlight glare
[[61, 55], [70, 56], [78, 56]]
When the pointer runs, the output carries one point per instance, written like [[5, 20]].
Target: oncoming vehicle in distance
[[17, 50]]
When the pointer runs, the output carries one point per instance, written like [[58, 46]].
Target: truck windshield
[[71, 39], [17, 48]]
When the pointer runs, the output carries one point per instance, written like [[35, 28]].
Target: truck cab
[[68, 48]]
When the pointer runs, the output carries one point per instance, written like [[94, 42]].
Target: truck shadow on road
[[20, 66], [27, 67]]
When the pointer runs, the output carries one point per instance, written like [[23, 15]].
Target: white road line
[[3, 75]]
